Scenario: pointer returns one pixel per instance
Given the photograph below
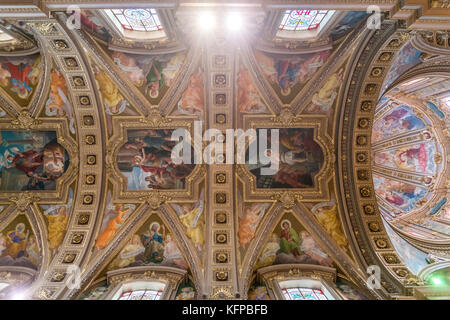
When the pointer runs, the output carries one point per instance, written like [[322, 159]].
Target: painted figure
[[155, 79], [17, 241], [129, 66], [258, 293], [250, 220], [399, 120], [327, 215], [153, 243], [286, 72], [322, 100], [173, 254], [310, 247], [112, 227], [57, 227], [289, 240], [269, 253], [193, 100], [248, 98], [192, 217], [58, 103], [186, 293], [31, 160], [113, 100], [299, 160], [147, 163], [19, 76], [128, 254]]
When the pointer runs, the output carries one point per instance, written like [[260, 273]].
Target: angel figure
[[58, 103], [113, 100], [192, 218], [57, 226], [324, 98], [327, 215], [249, 220], [192, 100], [248, 98], [114, 218]]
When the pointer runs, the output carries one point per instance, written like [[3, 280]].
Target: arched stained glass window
[[303, 294], [298, 20], [137, 19], [140, 290], [141, 295]]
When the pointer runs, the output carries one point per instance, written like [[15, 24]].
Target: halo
[[21, 225], [153, 95], [288, 222], [153, 223], [286, 92], [323, 204]]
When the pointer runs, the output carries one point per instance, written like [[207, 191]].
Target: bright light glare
[[20, 295], [436, 281], [206, 21], [234, 22]]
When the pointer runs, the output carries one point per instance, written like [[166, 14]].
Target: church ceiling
[[88, 177]]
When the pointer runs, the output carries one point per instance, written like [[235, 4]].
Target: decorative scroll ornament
[[155, 199], [5, 276], [149, 275], [44, 294], [44, 28], [287, 198], [405, 36], [155, 119], [25, 121], [109, 159], [24, 201], [286, 117], [222, 293], [413, 280]]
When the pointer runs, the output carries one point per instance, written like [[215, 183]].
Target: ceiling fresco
[[358, 118]]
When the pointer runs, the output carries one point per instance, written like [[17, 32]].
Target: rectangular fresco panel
[[300, 159], [31, 160], [145, 160]]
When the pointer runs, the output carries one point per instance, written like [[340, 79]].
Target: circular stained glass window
[[302, 17], [137, 14]]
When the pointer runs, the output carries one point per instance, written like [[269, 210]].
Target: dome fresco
[[409, 167], [404, 158]]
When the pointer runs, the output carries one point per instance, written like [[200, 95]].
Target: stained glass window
[[137, 19], [303, 294], [141, 295], [298, 20]]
